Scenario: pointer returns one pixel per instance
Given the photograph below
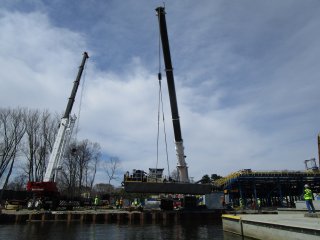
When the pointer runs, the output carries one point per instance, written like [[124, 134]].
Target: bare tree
[[12, 129], [32, 144], [175, 175], [83, 158], [79, 166], [91, 169], [40, 132], [19, 183], [67, 181], [103, 188], [111, 166]]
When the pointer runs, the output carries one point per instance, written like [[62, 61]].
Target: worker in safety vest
[[241, 203], [121, 202], [308, 197], [135, 203], [96, 202], [259, 204]]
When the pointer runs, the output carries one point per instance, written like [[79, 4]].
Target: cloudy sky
[[247, 77]]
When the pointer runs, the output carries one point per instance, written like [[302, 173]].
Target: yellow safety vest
[[307, 194]]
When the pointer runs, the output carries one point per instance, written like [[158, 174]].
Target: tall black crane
[[138, 181], [182, 165]]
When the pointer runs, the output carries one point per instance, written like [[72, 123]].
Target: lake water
[[79, 231]]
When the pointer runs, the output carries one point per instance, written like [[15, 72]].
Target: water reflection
[[78, 231]]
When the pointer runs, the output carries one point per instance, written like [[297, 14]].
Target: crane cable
[[80, 101], [160, 106]]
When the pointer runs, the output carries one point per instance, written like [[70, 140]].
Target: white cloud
[[36, 59], [247, 84]]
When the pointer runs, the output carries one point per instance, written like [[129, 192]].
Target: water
[[78, 231]]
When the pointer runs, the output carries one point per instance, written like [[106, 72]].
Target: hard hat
[[306, 185]]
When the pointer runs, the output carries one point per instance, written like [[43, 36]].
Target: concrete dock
[[106, 216], [274, 226]]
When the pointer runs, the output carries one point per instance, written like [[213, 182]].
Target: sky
[[246, 75]]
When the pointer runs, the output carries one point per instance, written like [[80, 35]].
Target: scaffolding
[[273, 188]]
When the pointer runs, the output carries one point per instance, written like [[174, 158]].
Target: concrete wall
[[232, 224], [273, 232], [259, 228]]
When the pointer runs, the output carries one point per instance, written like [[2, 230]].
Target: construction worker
[[121, 202], [136, 202], [308, 197], [259, 204], [96, 202], [117, 203], [253, 204], [241, 203]]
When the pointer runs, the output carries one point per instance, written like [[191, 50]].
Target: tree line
[[26, 141], [206, 179]]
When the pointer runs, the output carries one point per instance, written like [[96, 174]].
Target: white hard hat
[[306, 185]]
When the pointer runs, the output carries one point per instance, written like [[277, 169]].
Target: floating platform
[[167, 187], [276, 227]]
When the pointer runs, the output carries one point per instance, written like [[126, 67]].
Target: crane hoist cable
[[80, 101], [160, 107]]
